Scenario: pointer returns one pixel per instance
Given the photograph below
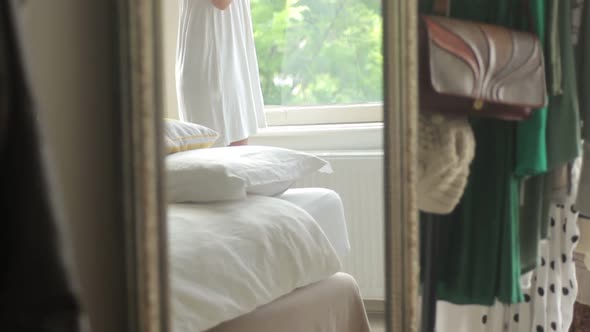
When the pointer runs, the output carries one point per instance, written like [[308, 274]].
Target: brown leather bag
[[479, 69]]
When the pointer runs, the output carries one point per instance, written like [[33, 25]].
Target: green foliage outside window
[[319, 51]]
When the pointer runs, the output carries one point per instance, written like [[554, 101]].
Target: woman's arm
[[221, 4]]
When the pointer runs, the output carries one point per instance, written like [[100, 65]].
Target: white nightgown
[[217, 80]]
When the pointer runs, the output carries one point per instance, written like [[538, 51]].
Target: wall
[[584, 244], [356, 155], [170, 30], [70, 45], [582, 253], [358, 179]]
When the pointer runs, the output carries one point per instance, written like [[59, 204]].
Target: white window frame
[[333, 114], [336, 127]]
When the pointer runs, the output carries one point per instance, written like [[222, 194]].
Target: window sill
[[324, 114], [332, 137]]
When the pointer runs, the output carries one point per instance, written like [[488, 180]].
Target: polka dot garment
[[550, 290]]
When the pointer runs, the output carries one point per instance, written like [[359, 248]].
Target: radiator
[[358, 178]]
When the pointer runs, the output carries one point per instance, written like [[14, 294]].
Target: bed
[[325, 207], [331, 305], [302, 290]]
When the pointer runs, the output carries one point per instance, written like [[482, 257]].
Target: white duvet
[[229, 258]]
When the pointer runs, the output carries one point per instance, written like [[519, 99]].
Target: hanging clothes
[[581, 38], [531, 222], [479, 242], [583, 63], [549, 291], [217, 80], [36, 292], [531, 210], [563, 129], [531, 146], [563, 122]]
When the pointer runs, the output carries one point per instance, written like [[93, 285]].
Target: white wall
[[170, 30], [584, 244], [70, 44]]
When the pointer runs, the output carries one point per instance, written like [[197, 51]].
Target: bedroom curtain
[[36, 291]]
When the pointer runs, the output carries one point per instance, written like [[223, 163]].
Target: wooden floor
[[581, 321]]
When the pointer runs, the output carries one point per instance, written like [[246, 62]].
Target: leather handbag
[[479, 69]]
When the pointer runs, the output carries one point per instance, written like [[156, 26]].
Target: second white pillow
[[230, 173]]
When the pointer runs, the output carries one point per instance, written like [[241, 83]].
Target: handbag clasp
[[478, 104]]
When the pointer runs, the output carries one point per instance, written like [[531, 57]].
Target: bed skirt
[[333, 304]]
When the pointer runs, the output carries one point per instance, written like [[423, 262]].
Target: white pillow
[[184, 136], [270, 189], [230, 173]]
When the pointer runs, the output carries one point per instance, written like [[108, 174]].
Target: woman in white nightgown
[[217, 81]]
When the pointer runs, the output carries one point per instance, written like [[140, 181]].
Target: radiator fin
[[358, 179]]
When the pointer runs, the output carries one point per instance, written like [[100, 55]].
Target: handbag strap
[[528, 12]]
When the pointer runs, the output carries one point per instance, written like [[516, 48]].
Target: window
[[320, 60]]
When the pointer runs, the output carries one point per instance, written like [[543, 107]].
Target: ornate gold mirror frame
[[400, 117], [141, 105]]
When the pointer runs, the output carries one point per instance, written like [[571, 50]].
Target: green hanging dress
[[583, 66], [562, 130], [479, 256]]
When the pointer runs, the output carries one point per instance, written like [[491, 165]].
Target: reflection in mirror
[[274, 166], [271, 158]]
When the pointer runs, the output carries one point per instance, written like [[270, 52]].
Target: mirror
[[252, 251], [310, 226], [401, 140]]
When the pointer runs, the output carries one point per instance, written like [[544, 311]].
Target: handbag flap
[[485, 62]]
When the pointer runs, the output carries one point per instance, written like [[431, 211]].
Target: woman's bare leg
[[238, 143]]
